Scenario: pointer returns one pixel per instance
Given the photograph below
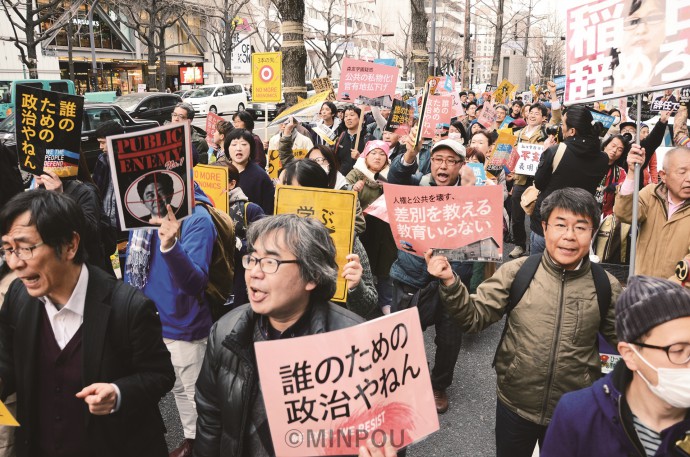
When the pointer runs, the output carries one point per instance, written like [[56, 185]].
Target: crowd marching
[[85, 357]]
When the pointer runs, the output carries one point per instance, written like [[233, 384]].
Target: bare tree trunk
[[151, 57], [466, 83], [498, 40], [294, 52], [162, 63], [420, 55]]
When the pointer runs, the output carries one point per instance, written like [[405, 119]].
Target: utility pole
[[432, 51], [529, 18], [94, 69], [466, 57]]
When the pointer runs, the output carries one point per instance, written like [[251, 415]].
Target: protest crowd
[[197, 266]]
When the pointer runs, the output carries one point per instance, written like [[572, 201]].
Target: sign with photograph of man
[[625, 47], [151, 172]]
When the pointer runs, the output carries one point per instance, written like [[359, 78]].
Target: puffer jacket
[[228, 385], [662, 242], [373, 182], [597, 422], [550, 345]]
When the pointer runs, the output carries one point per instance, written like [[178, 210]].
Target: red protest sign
[[327, 394], [438, 111], [487, 117], [613, 51], [366, 79], [211, 123], [448, 217]]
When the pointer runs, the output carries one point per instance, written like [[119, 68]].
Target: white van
[[217, 98]]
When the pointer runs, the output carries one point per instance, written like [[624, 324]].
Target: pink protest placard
[[365, 79], [378, 209], [327, 394], [487, 117], [615, 50], [438, 111], [211, 122], [528, 158], [449, 217]]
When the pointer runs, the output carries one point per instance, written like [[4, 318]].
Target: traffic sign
[[267, 77]]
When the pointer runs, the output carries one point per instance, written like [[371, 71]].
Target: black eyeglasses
[[266, 264], [22, 253], [677, 353]]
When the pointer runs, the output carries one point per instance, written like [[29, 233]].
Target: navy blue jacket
[[597, 422]]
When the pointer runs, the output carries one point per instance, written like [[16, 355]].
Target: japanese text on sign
[[438, 111], [528, 158], [346, 384], [614, 50], [371, 80], [448, 217]]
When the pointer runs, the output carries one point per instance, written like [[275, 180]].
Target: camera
[[628, 137], [552, 130]]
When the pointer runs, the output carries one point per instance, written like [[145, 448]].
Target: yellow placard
[[274, 164], [503, 91], [311, 101], [267, 77], [335, 209], [324, 85], [213, 180], [6, 417]]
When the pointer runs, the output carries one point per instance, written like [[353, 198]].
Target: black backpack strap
[[603, 288], [520, 284]]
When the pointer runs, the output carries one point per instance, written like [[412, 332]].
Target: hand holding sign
[[635, 156], [373, 450], [169, 227], [352, 271], [49, 180], [439, 267]]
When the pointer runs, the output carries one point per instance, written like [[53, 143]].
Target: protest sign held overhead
[[371, 80], [327, 394], [502, 92], [437, 113], [324, 85], [487, 117], [152, 169], [267, 77], [213, 180], [48, 131], [400, 118], [335, 209], [618, 47], [468, 220], [211, 123], [303, 110]]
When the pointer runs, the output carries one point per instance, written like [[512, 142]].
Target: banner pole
[[266, 122], [636, 194]]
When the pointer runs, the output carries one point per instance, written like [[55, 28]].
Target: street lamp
[[352, 3]]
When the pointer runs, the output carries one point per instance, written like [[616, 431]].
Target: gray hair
[[187, 107], [577, 201], [309, 241], [503, 107], [669, 154]]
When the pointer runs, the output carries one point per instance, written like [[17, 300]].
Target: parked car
[[218, 99], [183, 93], [94, 115], [149, 106]]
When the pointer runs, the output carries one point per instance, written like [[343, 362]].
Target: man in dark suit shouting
[[83, 352]]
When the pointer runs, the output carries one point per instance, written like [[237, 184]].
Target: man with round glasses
[[291, 274], [642, 407]]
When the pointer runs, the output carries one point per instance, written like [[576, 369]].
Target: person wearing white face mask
[[643, 406]]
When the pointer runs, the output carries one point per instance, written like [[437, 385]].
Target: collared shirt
[[66, 321], [299, 328], [628, 188]]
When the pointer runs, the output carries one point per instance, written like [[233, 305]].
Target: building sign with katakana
[[327, 394], [48, 131], [335, 209], [445, 217], [619, 47]]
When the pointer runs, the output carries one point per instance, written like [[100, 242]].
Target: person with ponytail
[[582, 165]]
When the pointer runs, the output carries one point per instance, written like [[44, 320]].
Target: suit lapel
[[96, 316]]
